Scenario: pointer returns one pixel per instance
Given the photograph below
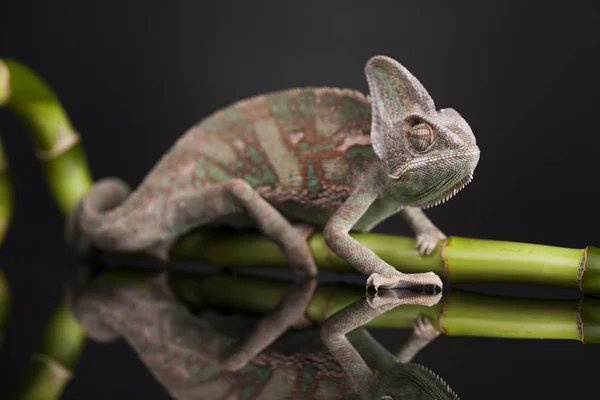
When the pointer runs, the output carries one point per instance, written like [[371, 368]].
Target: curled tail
[[90, 214]]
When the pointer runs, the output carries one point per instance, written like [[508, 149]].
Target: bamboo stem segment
[[467, 260]]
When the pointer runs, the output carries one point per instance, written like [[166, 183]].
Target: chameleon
[[233, 359], [292, 161]]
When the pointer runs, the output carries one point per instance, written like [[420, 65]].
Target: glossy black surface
[[134, 75]]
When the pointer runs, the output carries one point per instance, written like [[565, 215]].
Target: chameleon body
[[196, 359], [289, 161]]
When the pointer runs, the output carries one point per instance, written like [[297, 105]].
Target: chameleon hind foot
[[400, 280], [194, 208]]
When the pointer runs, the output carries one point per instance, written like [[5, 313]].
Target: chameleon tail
[[91, 214]]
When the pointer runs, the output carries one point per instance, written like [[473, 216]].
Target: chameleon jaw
[[451, 193]]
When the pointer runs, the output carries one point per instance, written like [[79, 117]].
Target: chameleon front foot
[[399, 280]]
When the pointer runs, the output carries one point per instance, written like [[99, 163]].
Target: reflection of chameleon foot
[[423, 328], [395, 297], [423, 333]]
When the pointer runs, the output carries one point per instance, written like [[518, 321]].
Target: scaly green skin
[[197, 359], [289, 161]]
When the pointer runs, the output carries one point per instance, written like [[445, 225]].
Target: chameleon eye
[[421, 136]]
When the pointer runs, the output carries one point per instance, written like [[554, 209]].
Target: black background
[[134, 75]]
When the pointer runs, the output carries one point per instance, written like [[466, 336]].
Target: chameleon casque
[[235, 358], [289, 161]]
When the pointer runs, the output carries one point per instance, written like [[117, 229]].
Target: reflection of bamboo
[[459, 313]]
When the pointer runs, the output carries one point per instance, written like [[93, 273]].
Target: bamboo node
[[4, 83], [580, 330], [58, 372], [582, 265], [65, 140], [445, 267]]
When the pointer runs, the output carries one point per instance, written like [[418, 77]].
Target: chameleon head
[[428, 154], [412, 382]]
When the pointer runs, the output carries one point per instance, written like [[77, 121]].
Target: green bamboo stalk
[[460, 260], [56, 143]]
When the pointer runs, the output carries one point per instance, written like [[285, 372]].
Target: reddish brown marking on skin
[[354, 141], [262, 111], [582, 268], [257, 108]]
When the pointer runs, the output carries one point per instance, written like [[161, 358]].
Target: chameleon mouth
[[450, 193], [439, 381], [431, 181]]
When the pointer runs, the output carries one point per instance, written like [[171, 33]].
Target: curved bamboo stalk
[[58, 148], [56, 143]]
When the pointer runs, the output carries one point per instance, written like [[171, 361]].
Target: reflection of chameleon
[[195, 359], [323, 157]]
